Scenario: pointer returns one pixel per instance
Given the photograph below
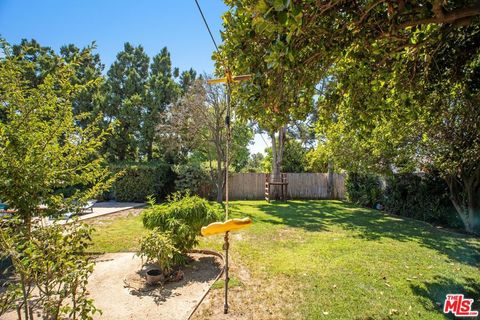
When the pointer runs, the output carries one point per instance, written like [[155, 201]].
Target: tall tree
[[125, 100], [187, 78], [414, 110], [42, 150], [270, 98], [255, 163], [294, 156], [38, 61], [401, 77], [88, 72], [199, 120], [161, 93]]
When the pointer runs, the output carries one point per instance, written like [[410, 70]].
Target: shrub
[[157, 247], [139, 180], [363, 189], [50, 261], [191, 177], [423, 197], [182, 216]]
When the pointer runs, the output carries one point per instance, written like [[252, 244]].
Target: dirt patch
[[118, 291], [258, 296]]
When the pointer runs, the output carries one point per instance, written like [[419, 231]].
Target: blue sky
[[154, 24]]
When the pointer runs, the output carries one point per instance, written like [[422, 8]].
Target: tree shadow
[[432, 293], [372, 225], [295, 214]]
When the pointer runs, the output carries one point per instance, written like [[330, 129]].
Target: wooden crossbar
[[283, 187]]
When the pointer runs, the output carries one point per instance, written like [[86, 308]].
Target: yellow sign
[[230, 79], [229, 225]]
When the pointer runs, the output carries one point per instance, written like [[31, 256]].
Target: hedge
[[423, 197], [137, 181], [363, 189], [419, 196], [193, 178]]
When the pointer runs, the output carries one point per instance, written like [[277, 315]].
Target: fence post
[[330, 182]]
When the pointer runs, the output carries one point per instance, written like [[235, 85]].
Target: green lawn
[[118, 234], [329, 259]]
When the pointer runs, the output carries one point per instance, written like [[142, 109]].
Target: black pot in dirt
[[154, 276]]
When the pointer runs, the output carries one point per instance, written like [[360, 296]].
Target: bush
[[363, 189], [139, 180], [182, 217], [421, 197], [52, 262], [157, 247], [191, 177]]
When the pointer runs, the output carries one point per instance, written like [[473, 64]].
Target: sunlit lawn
[[118, 234], [329, 259]]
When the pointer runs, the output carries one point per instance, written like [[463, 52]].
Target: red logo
[[459, 306]]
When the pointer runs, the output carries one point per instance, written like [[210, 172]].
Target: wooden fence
[[251, 186]]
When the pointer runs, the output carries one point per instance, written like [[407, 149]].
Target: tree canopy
[[43, 151], [401, 78]]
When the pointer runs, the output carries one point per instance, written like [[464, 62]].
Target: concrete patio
[[108, 207], [100, 209]]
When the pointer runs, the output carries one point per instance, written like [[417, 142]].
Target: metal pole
[[227, 150], [226, 244], [227, 279]]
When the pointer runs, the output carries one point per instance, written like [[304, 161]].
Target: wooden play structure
[[282, 182]]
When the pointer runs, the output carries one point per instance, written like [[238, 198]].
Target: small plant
[[181, 217], [157, 247], [151, 200]]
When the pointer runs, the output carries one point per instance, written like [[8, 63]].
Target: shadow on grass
[[314, 216], [432, 294]]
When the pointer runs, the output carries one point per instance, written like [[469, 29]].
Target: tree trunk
[[330, 183], [220, 180], [465, 196], [277, 156], [150, 151], [27, 221]]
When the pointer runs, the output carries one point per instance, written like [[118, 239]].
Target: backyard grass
[[329, 259], [117, 233]]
